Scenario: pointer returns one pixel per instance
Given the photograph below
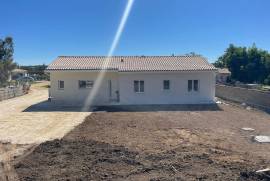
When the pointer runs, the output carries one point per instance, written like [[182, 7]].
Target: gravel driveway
[[21, 125]]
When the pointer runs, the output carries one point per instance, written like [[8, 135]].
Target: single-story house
[[132, 80], [16, 74], [222, 75]]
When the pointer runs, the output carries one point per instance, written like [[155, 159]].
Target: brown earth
[[29, 120], [175, 143]]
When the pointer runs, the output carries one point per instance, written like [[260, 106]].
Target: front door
[[113, 94]]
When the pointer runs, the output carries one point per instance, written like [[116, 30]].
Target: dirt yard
[[29, 120], [177, 143]]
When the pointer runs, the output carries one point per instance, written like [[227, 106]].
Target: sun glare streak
[[89, 100]]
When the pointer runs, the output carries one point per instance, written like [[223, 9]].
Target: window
[[138, 86], [141, 86], [196, 85], [189, 85], [61, 84], [86, 84], [110, 87], [166, 85], [193, 85]]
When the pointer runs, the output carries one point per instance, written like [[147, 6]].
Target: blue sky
[[44, 29]]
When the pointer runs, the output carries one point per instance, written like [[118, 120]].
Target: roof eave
[[115, 70]]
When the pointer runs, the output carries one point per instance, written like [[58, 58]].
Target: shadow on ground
[[47, 106], [153, 108]]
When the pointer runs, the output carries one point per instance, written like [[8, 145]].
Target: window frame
[[59, 85], [191, 87], [198, 85], [110, 88], [89, 84], [164, 85], [140, 85]]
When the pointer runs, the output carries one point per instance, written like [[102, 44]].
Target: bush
[[267, 80]]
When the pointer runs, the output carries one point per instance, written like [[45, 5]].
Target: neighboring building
[[223, 75], [17, 74], [130, 80]]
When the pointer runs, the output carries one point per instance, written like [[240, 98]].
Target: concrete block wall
[[243, 95], [7, 93]]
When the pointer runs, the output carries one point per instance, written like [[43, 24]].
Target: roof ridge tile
[[132, 63]]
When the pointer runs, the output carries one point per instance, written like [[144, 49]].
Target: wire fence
[[11, 92]]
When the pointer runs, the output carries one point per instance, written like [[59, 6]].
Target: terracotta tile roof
[[131, 63], [224, 71], [19, 71]]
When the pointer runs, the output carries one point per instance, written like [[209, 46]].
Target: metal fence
[[10, 92]]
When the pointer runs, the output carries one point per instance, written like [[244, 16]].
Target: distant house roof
[[224, 71], [19, 71], [132, 63]]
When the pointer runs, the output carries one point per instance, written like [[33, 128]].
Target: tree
[[6, 59], [247, 65], [192, 54], [36, 71]]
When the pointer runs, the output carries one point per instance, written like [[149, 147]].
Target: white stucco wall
[[178, 93], [124, 82], [73, 95]]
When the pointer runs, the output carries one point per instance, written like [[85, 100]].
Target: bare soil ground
[[191, 143], [29, 120]]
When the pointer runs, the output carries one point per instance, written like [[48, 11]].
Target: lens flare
[[89, 100]]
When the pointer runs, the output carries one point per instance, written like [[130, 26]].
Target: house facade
[[17, 74], [223, 75], [132, 80]]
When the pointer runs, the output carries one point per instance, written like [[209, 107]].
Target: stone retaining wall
[[7, 93]]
